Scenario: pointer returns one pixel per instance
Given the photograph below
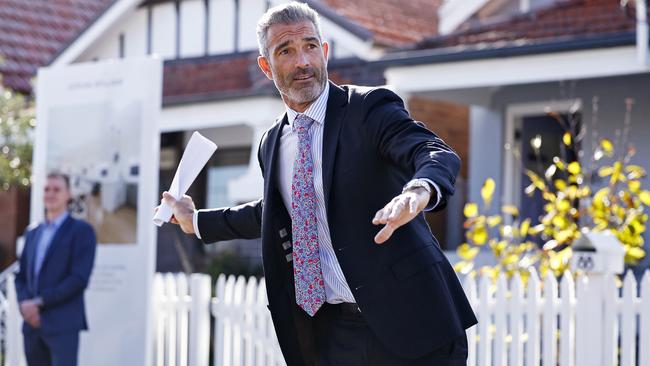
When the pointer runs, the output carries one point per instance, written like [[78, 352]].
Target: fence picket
[[262, 324], [567, 320], [549, 328], [469, 285], [533, 299], [610, 321], [182, 315], [199, 325], [238, 320], [501, 331], [628, 322], [516, 320], [250, 299], [219, 324], [170, 310], [644, 331], [484, 343]]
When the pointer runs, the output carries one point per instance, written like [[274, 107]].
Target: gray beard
[[304, 95]]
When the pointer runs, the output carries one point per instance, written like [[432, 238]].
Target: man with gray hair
[[353, 274]]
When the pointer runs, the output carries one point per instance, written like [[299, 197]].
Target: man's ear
[[263, 63]]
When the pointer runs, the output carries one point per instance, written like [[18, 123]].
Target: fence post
[[199, 349], [600, 256]]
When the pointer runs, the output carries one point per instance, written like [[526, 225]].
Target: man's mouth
[[302, 77]]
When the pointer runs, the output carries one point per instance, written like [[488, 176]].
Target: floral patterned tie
[[310, 290]]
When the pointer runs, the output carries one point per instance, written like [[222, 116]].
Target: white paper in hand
[[197, 153]]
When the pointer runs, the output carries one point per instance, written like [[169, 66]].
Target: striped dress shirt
[[336, 287]]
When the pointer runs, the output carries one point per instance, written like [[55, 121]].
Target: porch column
[[486, 134]]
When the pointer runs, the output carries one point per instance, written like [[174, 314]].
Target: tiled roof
[[565, 20], [391, 22], [32, 32]]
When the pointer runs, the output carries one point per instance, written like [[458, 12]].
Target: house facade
[[480, 73]]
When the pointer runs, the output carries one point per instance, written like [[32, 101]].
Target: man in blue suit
[[354, 276], [55, 266]]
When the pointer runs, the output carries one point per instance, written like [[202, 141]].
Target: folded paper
[[197, 153]]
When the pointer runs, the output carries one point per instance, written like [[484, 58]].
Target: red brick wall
[[448, 120], [14, 218]]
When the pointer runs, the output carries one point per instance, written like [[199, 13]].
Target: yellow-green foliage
[[570, 208]]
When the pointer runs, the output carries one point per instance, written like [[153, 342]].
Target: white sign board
[[97, 122]]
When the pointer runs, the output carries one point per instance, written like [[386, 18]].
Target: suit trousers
[[344, 339], [51, 350]]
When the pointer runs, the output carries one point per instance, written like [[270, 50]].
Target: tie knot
[[302, 123]]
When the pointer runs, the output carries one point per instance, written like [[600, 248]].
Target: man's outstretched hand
[[399, 211], [183, 210]]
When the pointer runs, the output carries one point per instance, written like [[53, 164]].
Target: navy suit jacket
[[63, 277], [406, 289]]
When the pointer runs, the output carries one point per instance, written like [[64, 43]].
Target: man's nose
[[302, 60]]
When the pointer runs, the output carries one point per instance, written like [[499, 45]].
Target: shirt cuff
[[438, 195], [38, 301], [195, 222]]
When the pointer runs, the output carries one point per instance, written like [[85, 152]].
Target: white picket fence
[[586, 322], [590, 321], [581, 324], [243, 331]]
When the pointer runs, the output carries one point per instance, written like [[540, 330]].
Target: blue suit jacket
[[406, 289], [63, 277]]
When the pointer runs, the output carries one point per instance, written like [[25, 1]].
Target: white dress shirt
[[337, 289]]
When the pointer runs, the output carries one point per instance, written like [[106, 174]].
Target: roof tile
[[565, 19], [33, 31]]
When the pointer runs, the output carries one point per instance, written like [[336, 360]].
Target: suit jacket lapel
[[336, 103], [271, 155]]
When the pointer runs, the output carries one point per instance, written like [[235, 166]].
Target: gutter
[[506, 49]]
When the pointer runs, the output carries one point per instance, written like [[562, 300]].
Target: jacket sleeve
[[239, 222], [227, 223], [21, 277], [408, 143], [83, 259]]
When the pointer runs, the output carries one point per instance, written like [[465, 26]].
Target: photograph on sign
[[97, 146]]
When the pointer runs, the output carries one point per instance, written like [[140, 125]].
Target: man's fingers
[[384, 234], [397, 209], [168, 199], [382, 215], [413, 206]]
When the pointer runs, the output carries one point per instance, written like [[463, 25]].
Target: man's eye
[[312, 46], [284, 52]]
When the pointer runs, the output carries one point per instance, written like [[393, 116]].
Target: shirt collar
[[315, 111], [58, 221]]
